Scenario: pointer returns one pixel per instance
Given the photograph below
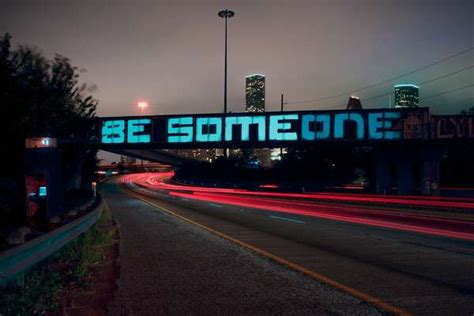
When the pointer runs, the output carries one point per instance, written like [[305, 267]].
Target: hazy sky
[[171, 52]]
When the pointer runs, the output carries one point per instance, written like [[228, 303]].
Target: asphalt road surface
[[169, 266]]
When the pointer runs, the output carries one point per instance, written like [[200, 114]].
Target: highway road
[[399, 254]]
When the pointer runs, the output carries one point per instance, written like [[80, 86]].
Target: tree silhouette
[[41, 97]]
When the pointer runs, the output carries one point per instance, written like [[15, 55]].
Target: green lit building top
[[406, 95], [255, 93]]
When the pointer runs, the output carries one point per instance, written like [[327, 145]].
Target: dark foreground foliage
[[41, 97], [38, 290]]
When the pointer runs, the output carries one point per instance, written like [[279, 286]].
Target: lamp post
[[142, 105], [281, 109], [225, 14]]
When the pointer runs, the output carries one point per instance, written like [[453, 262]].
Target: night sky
[[171, 52]]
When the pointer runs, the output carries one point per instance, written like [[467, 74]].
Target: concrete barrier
[[16, 260]]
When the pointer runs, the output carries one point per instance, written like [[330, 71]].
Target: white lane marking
[[215, 205], [286, 219], [184, 199]]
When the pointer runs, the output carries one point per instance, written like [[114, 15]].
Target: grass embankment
[[42, 286]]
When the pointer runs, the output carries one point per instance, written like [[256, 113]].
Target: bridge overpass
[[404, 141], [407, 143]]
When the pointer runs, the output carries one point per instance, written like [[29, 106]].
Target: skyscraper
[[406, 95], [255, 93]]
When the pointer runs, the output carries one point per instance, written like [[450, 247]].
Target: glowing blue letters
[[208, 129], [245, 122], [180, 130], [136, 129], [341, 118], [380, 124], [280, 130], [274, 128], [324, 121], [113, 132]]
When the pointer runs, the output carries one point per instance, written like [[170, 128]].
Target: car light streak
[[312, 205], [157, 181], [338, 217]]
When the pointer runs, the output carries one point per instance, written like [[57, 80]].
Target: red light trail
[[309, 204]]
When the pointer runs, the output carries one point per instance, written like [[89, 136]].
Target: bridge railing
[[17, 260]]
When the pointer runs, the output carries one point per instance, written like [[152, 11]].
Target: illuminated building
[[406, 95], [255, 103], [201, 154], [255, 93]]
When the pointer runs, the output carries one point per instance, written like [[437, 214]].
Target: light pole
[[281, 109], [142, 105], [225, 14]]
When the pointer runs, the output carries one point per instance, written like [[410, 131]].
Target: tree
[[41, 97], [470, 111]]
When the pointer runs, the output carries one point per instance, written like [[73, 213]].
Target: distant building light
[[406, 85], [255, 75], [42, 191], [269, 186], [40, 142]]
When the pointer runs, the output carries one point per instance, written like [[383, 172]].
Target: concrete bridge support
[[43, 179], [431, 157], [406, 176], [383, 176], [411, 169]]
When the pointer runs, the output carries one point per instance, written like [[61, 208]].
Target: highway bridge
[[407, 144], [404, 142]]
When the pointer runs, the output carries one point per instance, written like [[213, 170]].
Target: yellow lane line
[[386, 307]]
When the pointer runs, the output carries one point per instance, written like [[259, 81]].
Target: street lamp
[[142, 105], [225, 14]]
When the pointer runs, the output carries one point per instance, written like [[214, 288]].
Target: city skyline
[[325, 50]]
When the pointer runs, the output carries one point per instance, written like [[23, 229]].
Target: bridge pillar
[[43, 180], [406, 180], [431, 158], [383, 172], [395, 166]]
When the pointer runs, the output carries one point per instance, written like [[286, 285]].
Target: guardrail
[[16, 260]]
